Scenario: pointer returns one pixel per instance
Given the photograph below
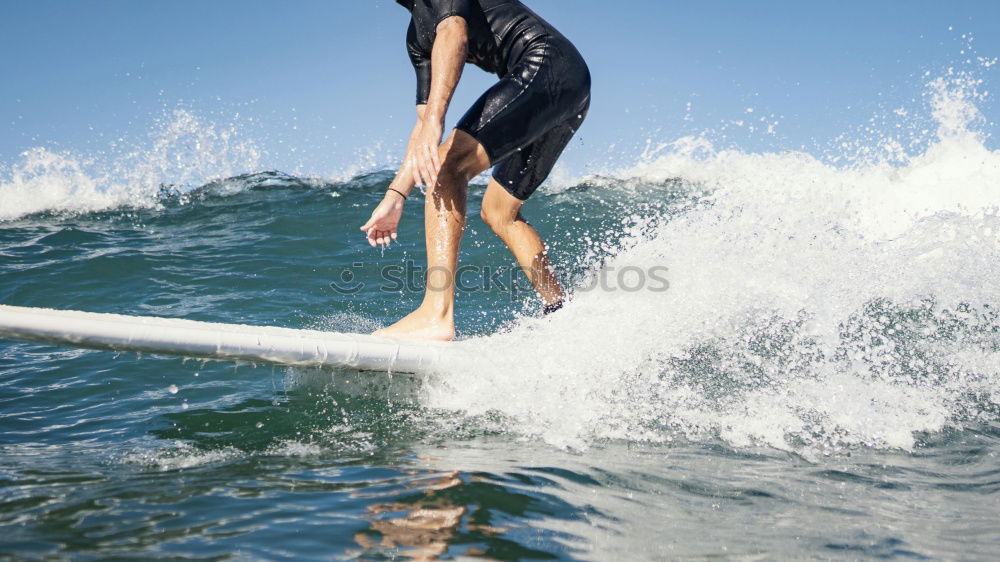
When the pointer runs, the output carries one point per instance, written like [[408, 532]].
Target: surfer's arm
[[407, 177], [447, 59], [382, 227], [422, 163], [451, 47]]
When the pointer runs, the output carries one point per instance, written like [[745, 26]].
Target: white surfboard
[[229, 342]]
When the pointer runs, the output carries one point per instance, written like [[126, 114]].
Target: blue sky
[[320, 85]]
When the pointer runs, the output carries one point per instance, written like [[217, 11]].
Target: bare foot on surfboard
[[423, 324]]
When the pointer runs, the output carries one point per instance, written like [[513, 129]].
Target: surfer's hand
[[422, 152], [381, 228]]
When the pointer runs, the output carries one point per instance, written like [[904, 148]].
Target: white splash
[[183, 152], [810, 307]]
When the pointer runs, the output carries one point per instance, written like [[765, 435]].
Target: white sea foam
[[183, 152], [178, 455], [810, 306]]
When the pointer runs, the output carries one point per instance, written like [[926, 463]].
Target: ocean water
[[767, 356]]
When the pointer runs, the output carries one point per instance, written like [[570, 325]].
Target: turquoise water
[[819, 380]]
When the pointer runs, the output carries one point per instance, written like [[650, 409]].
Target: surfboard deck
[[227, 342]]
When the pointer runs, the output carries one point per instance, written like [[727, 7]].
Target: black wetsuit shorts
[[525, 120]]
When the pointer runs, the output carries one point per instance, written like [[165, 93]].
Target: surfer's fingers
[[436, 158], [425, 178], [419, 164], [427, 167], [393, 234], [414, 170], [436, 164], [431, 163]]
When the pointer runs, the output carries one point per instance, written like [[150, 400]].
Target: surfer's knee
[[498, 218], [486, 215]]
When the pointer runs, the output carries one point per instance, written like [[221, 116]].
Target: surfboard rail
[[209, 340]]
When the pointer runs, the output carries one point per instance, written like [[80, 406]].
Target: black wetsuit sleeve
[[446, 8], [421, 64]]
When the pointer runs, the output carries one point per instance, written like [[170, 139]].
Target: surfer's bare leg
[[502, 212], [462, 158]]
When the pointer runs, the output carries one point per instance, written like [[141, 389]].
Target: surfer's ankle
[[437, 310]]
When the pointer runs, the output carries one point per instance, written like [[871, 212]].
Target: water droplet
[[172, 389]]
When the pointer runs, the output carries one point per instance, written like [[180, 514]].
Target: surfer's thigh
[[522, 172], [544, 97], [462, 156]]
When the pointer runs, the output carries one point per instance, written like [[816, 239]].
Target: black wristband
[[399, 192]]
